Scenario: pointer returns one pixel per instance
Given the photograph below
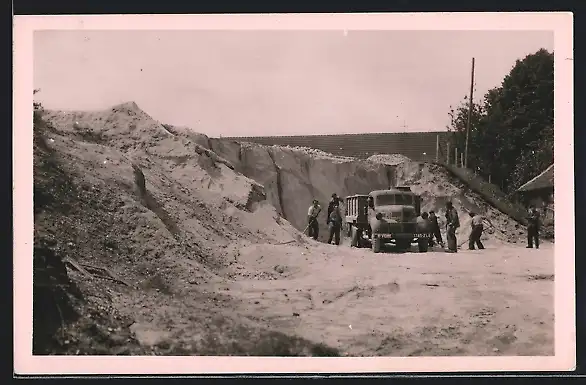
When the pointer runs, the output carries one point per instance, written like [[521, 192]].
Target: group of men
[[453, 222], [334, 219], [429, 220]]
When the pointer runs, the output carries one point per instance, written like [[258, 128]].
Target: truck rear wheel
[[376, 244]]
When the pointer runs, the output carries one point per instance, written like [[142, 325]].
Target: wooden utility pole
[[437, 148], [469, 115], [448, 153], [456, 156]]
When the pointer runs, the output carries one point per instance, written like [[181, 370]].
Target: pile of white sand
[[316, 153], [390, 159]]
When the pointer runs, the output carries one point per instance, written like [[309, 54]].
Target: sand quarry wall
[[159, 217], [186, 177], [292, 177], [246, 175]]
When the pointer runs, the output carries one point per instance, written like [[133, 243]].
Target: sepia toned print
[[294, 193]]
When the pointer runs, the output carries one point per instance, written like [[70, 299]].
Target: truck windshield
[[394, 199]]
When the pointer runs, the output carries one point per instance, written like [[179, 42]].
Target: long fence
[[418, 146], [454, 164], [490, 192]]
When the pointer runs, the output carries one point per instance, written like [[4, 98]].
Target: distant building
[[417, 146], [539, 191]]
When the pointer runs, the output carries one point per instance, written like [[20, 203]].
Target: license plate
[[395, 236], [417, 235]]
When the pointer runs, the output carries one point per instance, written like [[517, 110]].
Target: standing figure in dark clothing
[[335, 224], [453, 222], [476, 232], [370, 212], [423, 226], [435, 230], [533, 228], [334, 201]]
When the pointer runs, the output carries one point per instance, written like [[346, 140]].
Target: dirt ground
[[498, 301], [352, 302]]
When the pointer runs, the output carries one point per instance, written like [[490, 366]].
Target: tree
[[458, 126], [511, 133]]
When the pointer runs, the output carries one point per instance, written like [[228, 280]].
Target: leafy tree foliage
[[511, 130]]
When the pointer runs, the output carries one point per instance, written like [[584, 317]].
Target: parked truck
[[386, 216]]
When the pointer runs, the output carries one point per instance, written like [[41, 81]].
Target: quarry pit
[[168, 242]]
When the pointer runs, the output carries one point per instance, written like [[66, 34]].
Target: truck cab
[[385, 216]]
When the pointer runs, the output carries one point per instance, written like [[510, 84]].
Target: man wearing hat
[[476, 232], [453, 222], [335, 201], [533, 227], [312, 214], [335, 224], [435, 227]]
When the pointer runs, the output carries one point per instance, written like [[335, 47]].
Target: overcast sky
[[239, 83]]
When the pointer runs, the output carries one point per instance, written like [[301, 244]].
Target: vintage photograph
[[313, 193]]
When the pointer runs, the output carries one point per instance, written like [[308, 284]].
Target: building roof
[[543, 180], [410, 144]]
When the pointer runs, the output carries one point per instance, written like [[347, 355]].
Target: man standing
[[453, 222], [312, 214], [424, 226], [422, 222], [476, 232], [334, 201], [533, 228], [335, 224], [370, 213], [435, 230]]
